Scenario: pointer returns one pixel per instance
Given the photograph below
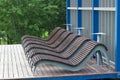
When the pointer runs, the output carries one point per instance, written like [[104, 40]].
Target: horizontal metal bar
[[72, 8], [84, 8], [79, 28], [90, 8], [111, 62], [100, 33], [105, 9]]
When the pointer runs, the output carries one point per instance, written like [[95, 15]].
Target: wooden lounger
[[63, 51], [58, 42], [27, 37], [51, 41], [74, 63]]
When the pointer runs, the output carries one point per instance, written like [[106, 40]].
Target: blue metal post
[[95, 19], [117, 37], [79, 14], [68, 13], [95, 27]]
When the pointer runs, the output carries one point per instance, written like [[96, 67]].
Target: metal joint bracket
[[68, 26], [98, 40], [99, 35], [79, 30]]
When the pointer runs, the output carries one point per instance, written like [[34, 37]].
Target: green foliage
[[33, 17]]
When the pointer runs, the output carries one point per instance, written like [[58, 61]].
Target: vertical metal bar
[[112, 26], [79, 17], [73, 15], [76, 16], [95, 19], [90, 19], [68, 13], [79, 14], [86, 18], [95, 22], [112, 32], [117, 37]]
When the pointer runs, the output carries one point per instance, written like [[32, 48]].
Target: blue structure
[[105, 76], [95, 19], [68, 14], [117, 37], [79, 14], [105, 18]]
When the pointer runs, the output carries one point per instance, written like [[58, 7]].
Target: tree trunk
[[9, 40]]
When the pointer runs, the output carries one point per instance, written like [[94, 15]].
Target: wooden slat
[[10, 62], [1, 61], [14, 62], [18, 62], [24, 63], [14, 65], [52, 71], [6, 70]]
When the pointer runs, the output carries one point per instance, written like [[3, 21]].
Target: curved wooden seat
[[66, 52], [74, 63], [51, 41], [56, 44], [62, 51], [27, 37]]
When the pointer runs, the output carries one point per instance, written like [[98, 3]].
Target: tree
[[33, 17]]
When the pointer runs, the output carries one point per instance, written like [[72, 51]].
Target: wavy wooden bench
[[65, 49], [28, 41], [57, 42], [62, 51], [76, 62]]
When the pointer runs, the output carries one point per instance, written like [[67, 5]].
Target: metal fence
[[107, 25], [73, 15], [87, 18], [106, 20]]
